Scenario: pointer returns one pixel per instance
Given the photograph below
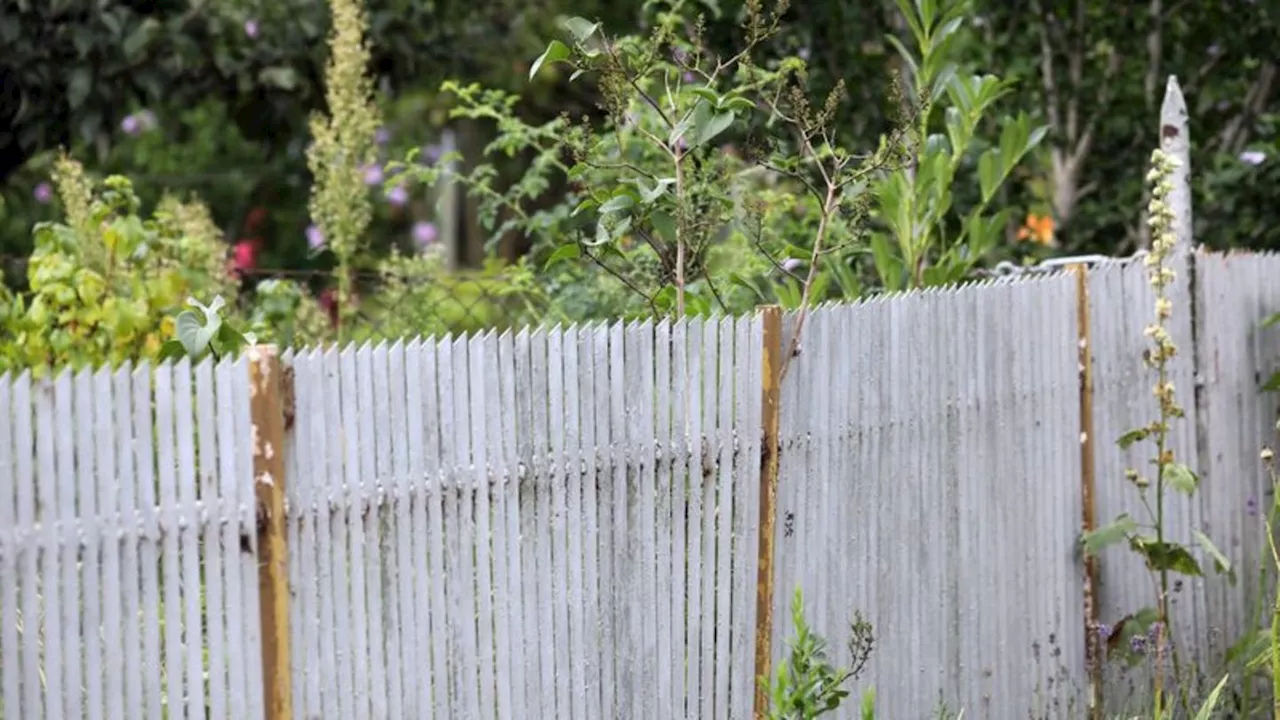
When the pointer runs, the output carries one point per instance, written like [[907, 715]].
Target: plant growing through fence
[[918, 247], [805, 684], [343, 146], [1162, 555], [103, 286]]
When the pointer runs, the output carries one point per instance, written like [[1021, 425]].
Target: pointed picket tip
[[1173, 116]]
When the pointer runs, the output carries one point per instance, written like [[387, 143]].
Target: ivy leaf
[[555, 52], [1180, 478], [1220, 562], [194, 333], [1109, 534]]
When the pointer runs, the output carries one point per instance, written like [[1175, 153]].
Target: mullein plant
[[1162, 556], [344, 145]]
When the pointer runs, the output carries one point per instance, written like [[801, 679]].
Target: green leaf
[[1273, 383], [78, 86], [617, 203], [555, 52], [1271, 320], [171, 350], [194, 334], [989, 173], [707, 94], [1167, 556], [1221, 564], [284, 78], [563, 253], [1211, 702], [1133, 436], [1180, 478], [888, 266], [708, 124], [1113, 532], [581, 28]]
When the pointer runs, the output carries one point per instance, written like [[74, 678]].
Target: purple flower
[[251, 28], [424, 233], [804, 53], [432, 153], [43, 193], [790, 264], [398, 196], [1253, 157], [690, 77], [315, 237], [131, 125], [1104, 630], [1138, 644], [372, 174], [382, 136]]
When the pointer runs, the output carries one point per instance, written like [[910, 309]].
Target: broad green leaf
[[1113, 532], [1273, 383], [708, 123], [563, 253], [171, 350], [555, 52], [1180, 478], [1271, 320], [581, 28], [195, 334], [1220, 562], [1167, 556], [617, 203], [706, 94], [1133, 436]]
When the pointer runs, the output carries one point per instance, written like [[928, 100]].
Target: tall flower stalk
[[344, 144], [1162, 556]]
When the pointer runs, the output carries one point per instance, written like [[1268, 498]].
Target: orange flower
[[1038, 229]]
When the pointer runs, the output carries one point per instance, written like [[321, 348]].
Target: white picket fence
[[564, 522]]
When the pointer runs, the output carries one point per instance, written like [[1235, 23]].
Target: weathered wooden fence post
[[1175, 141], [771, 391], [1093, 650], [266, 393]]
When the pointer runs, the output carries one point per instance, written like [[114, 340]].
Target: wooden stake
[[771, 392], [267, 408], [1093, 650]]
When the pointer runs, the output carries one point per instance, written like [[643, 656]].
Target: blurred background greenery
[[212, 99]]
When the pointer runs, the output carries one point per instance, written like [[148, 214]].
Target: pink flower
[[131, 125], [372, 174], [43, 193], [244, 256], [424, 233], [251, 28]]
